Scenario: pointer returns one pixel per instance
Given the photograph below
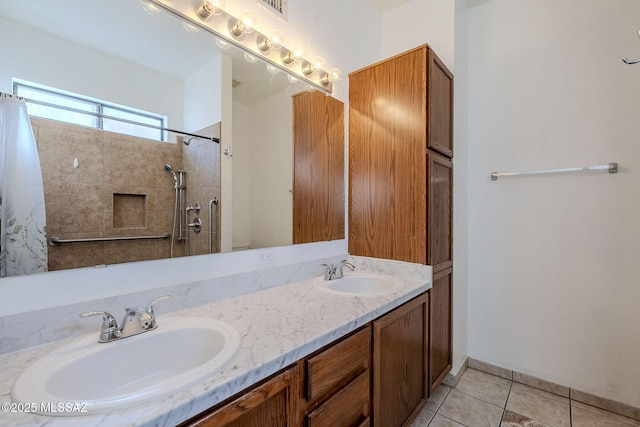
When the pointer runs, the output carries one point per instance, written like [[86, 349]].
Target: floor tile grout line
[[570, 412], [600, 410], [504, 410], [481, 399], [435, 411], [444, 416]]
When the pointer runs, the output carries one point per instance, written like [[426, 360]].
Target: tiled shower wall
[[120, 188], [201, 160]]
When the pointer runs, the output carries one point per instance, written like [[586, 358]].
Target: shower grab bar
[[119, 119], [212, 202], [611, 167], [55, 241]]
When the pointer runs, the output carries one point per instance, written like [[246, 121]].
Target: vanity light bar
[[223, 26]]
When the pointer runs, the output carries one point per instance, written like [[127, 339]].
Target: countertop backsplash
[[23, 330]]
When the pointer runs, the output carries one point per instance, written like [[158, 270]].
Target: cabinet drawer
[[349, 407], [338, 365]]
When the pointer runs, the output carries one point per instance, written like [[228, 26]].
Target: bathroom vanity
[[332, 387], [307, 355]]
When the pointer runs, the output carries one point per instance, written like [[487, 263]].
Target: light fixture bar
[[220, 25]]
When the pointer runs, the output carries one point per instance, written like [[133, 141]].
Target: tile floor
[[485, 400]]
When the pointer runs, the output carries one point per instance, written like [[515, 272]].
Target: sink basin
[[117, 375], [361, 284]]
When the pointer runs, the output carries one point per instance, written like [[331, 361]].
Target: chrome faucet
[[334, 271], [136, 320]]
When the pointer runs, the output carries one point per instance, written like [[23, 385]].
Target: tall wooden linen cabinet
[[401, 176]]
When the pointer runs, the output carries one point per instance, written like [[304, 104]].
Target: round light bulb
[[327, 78], [277, 39], [250, 58], [222, 44], [292, 79], [273, 41], [293, 55], [244, 24], [318, 64], [272, 69], [208, 8], [150, 8], [190, 28]]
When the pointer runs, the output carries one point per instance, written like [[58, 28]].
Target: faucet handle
[[328, 271], [345, 263], [152, 303], [109, 330], [146, 315], [107, 319]]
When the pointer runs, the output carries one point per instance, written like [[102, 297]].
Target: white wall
[[41, 58], [272, 171], [263, 175], [460, 194], [203, 96], [241, 186], [554, 260], [417, 22]]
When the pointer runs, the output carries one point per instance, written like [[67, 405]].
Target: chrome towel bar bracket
[[631, 61]]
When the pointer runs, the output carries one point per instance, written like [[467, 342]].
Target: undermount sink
[[117, 375], [361, 284]]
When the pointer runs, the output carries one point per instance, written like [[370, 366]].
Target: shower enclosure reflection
[[124, 187]]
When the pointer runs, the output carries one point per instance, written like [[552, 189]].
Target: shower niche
[[129, 210]]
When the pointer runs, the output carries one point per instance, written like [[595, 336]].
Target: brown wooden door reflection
[[318, 168]]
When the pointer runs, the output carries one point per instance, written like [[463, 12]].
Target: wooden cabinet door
[[318, 168], [440, 344], [387, 166], [400, 365], [440, 106], [271, 404], [440, 211]]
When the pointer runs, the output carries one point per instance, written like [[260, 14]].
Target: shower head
[[169, 169]]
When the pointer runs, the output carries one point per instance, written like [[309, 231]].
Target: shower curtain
[[23, 243]]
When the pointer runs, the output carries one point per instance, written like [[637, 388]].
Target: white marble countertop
[[278, 326]]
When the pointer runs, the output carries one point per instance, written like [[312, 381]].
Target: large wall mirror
[[275, 178]]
